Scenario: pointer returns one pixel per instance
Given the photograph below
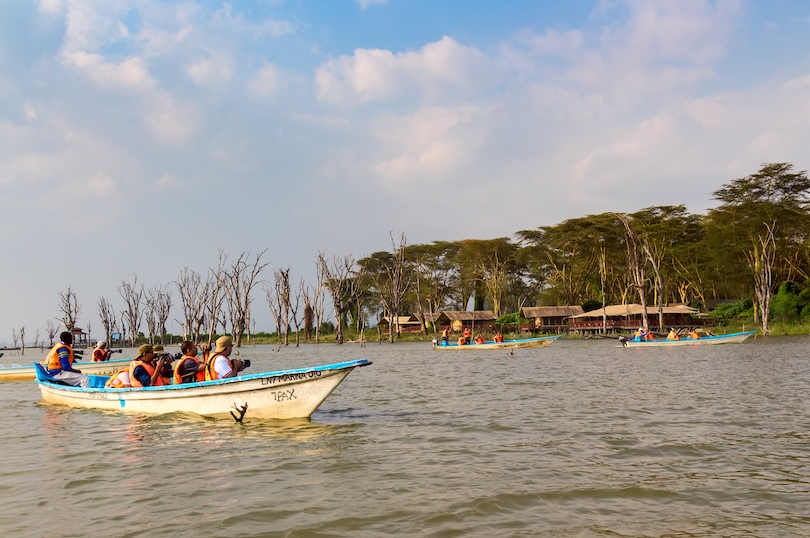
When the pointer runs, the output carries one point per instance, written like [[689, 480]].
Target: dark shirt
[[142, 375], [188, 370]]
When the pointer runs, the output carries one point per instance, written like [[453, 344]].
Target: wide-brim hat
[[223, 342]]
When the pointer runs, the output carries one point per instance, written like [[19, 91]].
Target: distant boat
[[277, 395], [18, 372], [732, 338], [539, 341]]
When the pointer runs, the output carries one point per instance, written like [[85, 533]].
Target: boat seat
[[43, 375]]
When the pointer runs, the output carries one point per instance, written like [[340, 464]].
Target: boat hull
[[540, 341], [27, 373], [733, 338], [275, 395]]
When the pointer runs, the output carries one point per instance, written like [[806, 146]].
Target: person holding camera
[[60, 363], [188, 369], [220, 365], [101, 353], [144, 371]]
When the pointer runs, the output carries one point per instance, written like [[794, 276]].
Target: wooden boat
[[282, 394], [18, 372], [539, 341], [732, 338]]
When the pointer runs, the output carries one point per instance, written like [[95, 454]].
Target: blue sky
[[138, 137]]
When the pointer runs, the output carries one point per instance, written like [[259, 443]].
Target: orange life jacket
[[53, 357], [115, 382], [177, 379], [100, 355], [499, 337], [479, 339], [210, 373], [150, 369], [461, 341]]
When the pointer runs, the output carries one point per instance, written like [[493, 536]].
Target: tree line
[[754, 243]]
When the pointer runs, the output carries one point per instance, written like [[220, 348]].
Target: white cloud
[[130, 73], [207, 71], [265, 81]]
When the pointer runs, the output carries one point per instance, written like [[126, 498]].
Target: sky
[[139, 137]]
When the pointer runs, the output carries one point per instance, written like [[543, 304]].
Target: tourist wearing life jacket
[[60, 363], [498, 337], [479, 339], [188, 369], [693, 335], [119, 380], [101, 353], [462, 341], [639, 335], [467, 335], [650, 336], [445, 336], [144, 371], [673, 335], [220, 365]]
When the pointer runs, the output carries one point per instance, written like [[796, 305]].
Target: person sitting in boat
[[639, 335], [119, 380], [60, 363], [498, 337], [144, 371], [462, 341], [480, 339], [445, 336], [101, 353], [188, 369], [693, 335], [220, 365], [467, 335], [650, 336], [673, 335]]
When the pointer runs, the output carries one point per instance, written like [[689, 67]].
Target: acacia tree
[[70, 308]]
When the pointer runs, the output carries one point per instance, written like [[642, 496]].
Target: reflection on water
[[580, 438]]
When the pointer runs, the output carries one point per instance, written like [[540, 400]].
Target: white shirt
[[221, 366]]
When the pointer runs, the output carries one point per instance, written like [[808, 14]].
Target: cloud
[[129, 74], [265, 81], [208, 71], [438, 71]]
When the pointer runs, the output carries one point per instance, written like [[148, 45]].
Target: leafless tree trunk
[[761, 259], [107, 315], [393, 284], [131, 317], [194, 296], [37, 336], [659, 290], [241, 280], [22, 340], [51, 329], [150, 313], [162, 305], [635, 263], [295, 306], [318, 297], [15, 337], [70, 308], [275, 308], [282, 302], [219, 291], [344, 285]]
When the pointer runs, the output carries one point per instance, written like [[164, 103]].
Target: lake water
[[581, 438]]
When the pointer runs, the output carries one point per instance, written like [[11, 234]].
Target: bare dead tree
[[344, 284], [194, 296], [15, 337], [132, 316], [295, 306], [70, 308], [761, 259], [37, 336], [635, 264], [164, 307], [150, 313], [306, 294], [241, 279], [51, 329], [275, 309], [392, 283], [107, 315], [217, 282], [318, 296], [22, 340]]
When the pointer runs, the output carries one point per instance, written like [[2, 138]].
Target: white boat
[[731, 338], [19, 372], [539, 341], [282, 394]]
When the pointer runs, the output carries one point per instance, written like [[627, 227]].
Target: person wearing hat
[[220, 365], [101, 353], [60, 363], [144, 371]]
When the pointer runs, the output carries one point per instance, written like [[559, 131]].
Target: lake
[[580, 438]]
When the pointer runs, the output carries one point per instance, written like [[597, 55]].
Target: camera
[[169, 356], [246, 362]]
